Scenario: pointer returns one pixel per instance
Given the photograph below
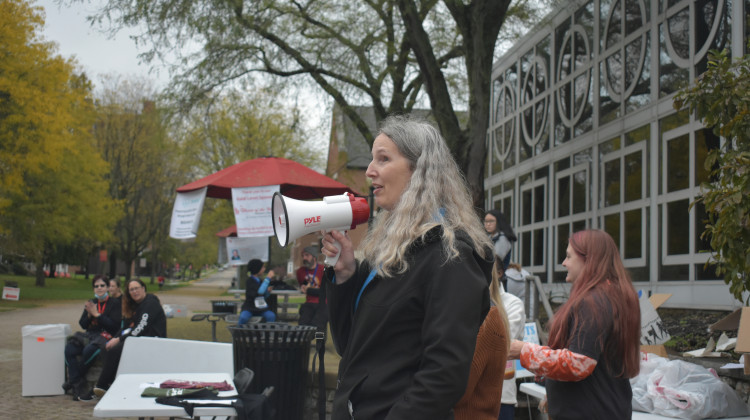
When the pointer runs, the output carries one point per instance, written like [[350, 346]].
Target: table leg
[[213, 329], [285, 306]]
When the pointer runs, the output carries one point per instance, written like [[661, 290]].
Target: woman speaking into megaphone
[[405, 318]]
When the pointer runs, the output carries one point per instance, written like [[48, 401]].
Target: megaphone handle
[[333, 260]]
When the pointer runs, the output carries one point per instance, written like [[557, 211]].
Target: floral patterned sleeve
[[560, 365]]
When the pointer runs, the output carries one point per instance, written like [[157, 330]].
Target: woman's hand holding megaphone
[[346, 265]]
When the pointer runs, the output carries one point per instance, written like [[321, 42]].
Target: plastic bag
[[642, 401], [683, 390]]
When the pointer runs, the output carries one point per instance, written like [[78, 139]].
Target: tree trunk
[[113, 265], [128, 267], [39, 274], [154, 263]]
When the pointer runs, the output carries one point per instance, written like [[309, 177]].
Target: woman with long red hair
[[594, 337]]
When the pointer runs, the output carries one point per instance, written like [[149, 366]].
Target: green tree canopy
[[388, 54], [51, 178], [144, 165], [234, 127], [229, 129], [721, 99]]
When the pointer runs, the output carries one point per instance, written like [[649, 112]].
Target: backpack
[[248, 406]]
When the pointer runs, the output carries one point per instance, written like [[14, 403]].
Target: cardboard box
[[657, 300], [739, 321]]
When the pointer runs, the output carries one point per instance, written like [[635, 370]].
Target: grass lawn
[[75, 288], [78, 289]]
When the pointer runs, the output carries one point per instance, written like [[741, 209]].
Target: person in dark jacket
[[405, 318], [256, 293], [100, 320], [143, 316]]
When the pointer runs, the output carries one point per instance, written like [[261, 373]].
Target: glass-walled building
[[583, 134]]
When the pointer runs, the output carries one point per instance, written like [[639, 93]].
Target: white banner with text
[[241, 250], [186, 214], [252, 210]]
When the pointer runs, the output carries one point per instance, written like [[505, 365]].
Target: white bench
[[152, 359], [169, 355]]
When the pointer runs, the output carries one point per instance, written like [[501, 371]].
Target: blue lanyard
[[367, 281], [315, 275]]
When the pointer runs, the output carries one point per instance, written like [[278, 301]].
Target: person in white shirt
[[516, 322]]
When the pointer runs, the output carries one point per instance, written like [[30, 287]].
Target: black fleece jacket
[[149, 319], [407, 349], [109, 320]]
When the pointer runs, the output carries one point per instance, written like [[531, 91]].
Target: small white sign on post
[[11, 293]]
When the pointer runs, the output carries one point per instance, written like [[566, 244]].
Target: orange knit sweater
[[482, 397]]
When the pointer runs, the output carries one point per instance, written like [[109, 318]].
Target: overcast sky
[[100, 55], [94, 50]]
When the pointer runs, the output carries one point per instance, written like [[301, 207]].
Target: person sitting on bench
[[100, 320], [256, 293], [143, 316]]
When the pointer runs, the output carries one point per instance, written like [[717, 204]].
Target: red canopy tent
[[225, 233], [295, 180]]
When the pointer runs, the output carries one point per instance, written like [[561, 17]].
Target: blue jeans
[[507, 411], [245, 316]]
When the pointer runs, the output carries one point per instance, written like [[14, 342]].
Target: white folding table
[[123, 399]]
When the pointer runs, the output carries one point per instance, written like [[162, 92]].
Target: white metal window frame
[[533, 226], [653, 206], [622, 207], [690, 193]]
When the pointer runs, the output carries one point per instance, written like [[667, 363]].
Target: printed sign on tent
[[241, 250], [186, 214], [252, 210]]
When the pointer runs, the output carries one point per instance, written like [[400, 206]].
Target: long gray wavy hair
[[436, 194]]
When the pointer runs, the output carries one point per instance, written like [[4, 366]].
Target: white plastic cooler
[[43, 367]]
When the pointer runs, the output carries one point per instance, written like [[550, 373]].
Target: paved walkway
[[12, 404]]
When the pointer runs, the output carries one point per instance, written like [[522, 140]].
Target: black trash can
[[278, 354], [224, 307]]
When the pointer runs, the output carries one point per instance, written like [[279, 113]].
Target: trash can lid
[[46, 330]]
